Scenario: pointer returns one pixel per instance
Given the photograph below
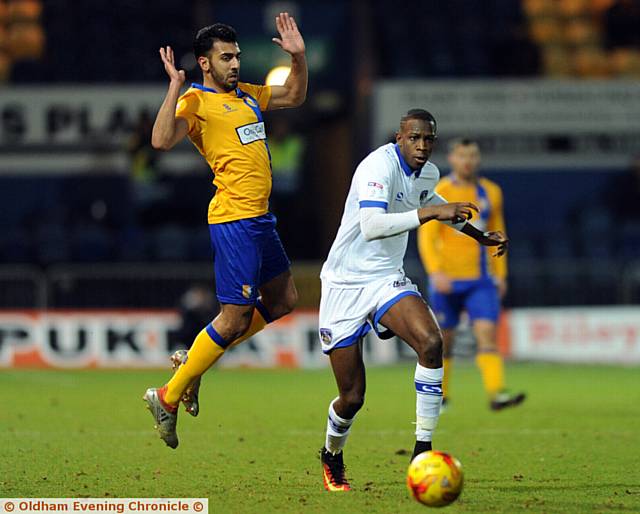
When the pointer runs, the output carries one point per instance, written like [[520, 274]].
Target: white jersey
[[383, 179]]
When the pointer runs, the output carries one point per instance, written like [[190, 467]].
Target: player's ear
[[204, 63], [398, 137]]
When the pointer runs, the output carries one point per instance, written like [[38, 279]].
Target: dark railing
[[540, 282]]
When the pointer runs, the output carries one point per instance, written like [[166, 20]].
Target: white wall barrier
[[139, 339], [598, 335]]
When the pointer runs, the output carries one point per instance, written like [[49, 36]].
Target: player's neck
[[209, 83], [465, 181]]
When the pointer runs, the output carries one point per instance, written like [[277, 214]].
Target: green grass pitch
[[573, 446]]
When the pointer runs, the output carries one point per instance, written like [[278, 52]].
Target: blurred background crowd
[[93, 216]]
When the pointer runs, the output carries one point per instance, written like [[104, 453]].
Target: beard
[[226, 84]]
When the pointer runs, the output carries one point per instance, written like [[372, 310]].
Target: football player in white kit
[[364, 285]]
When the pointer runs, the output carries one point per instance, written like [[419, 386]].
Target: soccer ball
[[435, 478]]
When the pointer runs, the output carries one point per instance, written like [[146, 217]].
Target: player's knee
[[233, 328], [289, 302], [353, 401], [430, 347], [285, 305]]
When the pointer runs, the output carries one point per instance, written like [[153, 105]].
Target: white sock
[[337, 430], [428, 400]]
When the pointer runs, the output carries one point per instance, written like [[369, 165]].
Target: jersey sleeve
[[261, 93], [496, 222], [189, 108], [373, 184]]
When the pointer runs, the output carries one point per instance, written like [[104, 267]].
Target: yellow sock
[[447, 362], [203, 354], [492, 371]]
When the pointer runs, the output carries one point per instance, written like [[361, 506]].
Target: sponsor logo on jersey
[[251, 133], [247, 291], [400, 196], [423, 195], [228, 108], [375, 184], [326, 336]]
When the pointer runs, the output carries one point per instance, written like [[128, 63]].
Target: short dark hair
[[419, 114], [207, 36], [461, 141]]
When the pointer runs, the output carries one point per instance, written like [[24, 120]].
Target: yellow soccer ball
[[435, 478]]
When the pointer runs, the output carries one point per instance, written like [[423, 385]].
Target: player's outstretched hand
[[498, 239], [290, 39], [455, 212], [166, 54]]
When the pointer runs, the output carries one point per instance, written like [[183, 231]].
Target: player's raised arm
[[457, 214], [294, 90], [376, 223], [167, 129]]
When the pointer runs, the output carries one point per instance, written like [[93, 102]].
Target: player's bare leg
[[348, 369], [279, 295], [412, 320], [491, 366]]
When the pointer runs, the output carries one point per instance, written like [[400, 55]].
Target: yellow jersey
[[228, 130], [444, 249]]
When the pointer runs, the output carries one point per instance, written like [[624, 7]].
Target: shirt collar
[[404, 165], [209, 90]]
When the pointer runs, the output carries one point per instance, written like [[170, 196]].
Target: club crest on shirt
[[326, 336], [247, 291], [423, 195], [250, 102]]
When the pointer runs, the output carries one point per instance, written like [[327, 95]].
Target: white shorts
[[347, 315]]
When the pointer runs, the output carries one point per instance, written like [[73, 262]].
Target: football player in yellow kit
[[463, 276], [223, 119]]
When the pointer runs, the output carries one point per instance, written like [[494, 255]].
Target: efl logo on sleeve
[[251, 133], [375, 190]]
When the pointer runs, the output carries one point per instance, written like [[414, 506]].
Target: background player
[[223, 119], [364, 286], [462, 276]]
